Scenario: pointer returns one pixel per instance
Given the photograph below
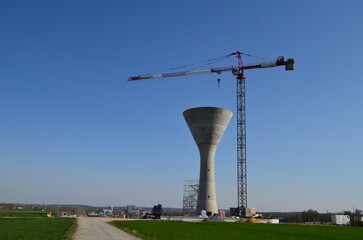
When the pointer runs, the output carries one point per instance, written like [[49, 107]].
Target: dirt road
[[98, 229]]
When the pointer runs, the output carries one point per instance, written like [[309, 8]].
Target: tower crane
[[237, 71]]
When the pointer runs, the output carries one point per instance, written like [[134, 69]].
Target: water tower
[[207, 125]]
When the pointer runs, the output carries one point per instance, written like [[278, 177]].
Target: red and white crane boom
[[289, 65]]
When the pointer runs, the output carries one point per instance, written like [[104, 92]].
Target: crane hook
[[219, 81]]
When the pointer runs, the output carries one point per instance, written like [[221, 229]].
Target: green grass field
[[177, 230], [37, 228], [22, 213]]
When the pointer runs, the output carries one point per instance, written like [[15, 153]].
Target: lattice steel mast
[[238, 71], [241, 139]]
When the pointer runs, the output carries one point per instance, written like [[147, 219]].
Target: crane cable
[[208, 62], [189, 65]]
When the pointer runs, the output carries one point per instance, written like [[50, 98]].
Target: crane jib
[[185, 73], [289, 65]]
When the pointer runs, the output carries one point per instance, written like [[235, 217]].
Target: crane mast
[[241, 140], [238, 71]]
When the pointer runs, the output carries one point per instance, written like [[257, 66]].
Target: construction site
[[207, 125], [181, 120]]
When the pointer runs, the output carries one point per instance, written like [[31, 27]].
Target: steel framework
[[241, 147], [241, 140], [190, 197]]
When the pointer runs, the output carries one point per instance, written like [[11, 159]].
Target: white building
[[250, 212], [340, 219]]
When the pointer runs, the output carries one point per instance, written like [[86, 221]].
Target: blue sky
[[73, 130]]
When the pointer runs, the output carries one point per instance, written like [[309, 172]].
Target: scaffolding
[[190, 197]]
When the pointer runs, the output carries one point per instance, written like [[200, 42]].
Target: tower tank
[[207, 125]]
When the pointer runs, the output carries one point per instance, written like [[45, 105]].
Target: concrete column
[[207, 125]]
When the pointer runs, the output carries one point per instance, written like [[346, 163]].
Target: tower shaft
[[207, 199]]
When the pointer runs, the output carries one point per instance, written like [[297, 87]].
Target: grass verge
[[23, 213], [178, 230], [37, 228]]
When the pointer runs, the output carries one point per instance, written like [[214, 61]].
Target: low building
[[250, 212], [358, 220], [340, 219], [133, 212]]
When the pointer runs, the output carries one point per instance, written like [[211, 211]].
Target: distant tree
[[294, 218], [310, 216], [7, 206], [347, 213]]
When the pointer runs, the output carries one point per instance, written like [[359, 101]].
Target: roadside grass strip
[[37, 228], [23, 213], [178, 230]]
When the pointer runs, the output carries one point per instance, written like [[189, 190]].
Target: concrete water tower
[[207, 125]]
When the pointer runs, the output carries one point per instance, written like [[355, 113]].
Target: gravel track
[[98, 228]]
